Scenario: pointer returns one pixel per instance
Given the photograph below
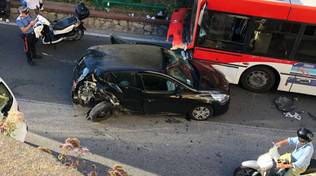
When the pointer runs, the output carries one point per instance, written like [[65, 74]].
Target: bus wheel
[[258, 79]]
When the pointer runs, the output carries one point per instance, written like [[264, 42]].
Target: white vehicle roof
[[21, 128], [311, 3]]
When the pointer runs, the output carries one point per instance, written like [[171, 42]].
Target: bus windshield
[[179, 68]]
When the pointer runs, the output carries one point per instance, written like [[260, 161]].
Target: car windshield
[[5, 100], [180, 68]]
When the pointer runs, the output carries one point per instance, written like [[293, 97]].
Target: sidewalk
[[150, 39], [19, 159], [113, 21], [51, 6]]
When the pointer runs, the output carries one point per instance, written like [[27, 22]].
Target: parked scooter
[[264, 164], [69, 28]]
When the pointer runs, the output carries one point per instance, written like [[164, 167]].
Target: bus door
[[221, 39], [303, 73]]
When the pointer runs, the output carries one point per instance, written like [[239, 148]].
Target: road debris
[[172, 120], [294, 115], [311, 115], [218, 155], [287, 106]]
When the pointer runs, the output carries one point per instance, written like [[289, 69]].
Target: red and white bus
[[260, 44]]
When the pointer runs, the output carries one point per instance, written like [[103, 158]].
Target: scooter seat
[[64, 23]]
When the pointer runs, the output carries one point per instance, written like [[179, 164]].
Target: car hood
[[209, 78]]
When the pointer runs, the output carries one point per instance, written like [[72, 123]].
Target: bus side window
[[306, 51], [273, 38]]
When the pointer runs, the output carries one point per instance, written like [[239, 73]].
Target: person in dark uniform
[[25, 23]]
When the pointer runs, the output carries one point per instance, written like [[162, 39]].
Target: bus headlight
[[220, 97]]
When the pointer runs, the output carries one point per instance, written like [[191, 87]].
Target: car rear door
[[132, 93]]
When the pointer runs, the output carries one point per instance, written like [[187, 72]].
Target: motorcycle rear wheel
[[244, 171]]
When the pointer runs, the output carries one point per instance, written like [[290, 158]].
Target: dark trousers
[[29, 46]]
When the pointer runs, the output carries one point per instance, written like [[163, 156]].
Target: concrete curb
[[54, 145]]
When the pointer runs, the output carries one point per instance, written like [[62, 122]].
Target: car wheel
[[101, 110], [240, 171], [201, 112], [258, 79]]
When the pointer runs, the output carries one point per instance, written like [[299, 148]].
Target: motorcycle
[[69, 28], [265, 163]]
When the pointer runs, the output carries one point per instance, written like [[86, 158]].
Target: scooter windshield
[[274, 153]]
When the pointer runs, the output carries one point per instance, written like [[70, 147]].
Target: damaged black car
[[148, 79]]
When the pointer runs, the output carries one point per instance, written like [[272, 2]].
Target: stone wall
[[110, 25]]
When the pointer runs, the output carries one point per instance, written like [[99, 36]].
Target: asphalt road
[[160, 145]]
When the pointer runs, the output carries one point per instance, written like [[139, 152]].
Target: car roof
[[121, 57]]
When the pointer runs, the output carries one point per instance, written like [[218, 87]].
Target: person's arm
[[284, 166], [26, 28], [282, 143]]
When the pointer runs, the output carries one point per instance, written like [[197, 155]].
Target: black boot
[[30, 61], [36, 56]]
